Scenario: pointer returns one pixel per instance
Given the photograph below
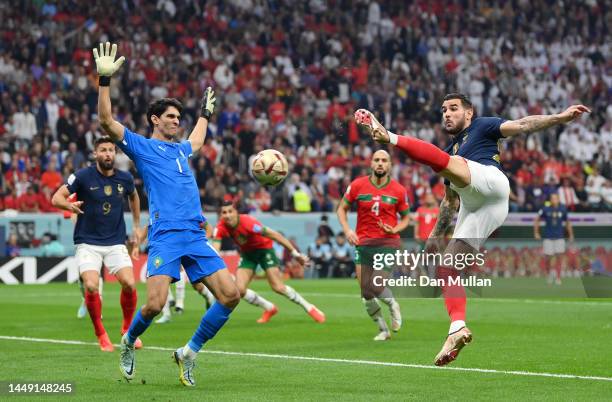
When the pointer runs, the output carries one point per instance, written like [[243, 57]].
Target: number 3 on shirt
[[375, 208]]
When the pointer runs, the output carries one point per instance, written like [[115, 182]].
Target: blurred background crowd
[[290, 74]]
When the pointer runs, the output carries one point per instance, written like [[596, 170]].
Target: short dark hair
[[102, 140], [159, 106], [228, 203], [465, 101]]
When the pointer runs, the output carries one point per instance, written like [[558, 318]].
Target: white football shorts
[[91, 258], [484, 204], [554, 246]]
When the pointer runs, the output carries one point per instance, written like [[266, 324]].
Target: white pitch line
[[356, 295], [332, 360]]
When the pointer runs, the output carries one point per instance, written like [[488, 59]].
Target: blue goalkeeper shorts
[[169, 249]]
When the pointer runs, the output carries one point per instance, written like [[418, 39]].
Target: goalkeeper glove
[[208, 103], [106, 63]]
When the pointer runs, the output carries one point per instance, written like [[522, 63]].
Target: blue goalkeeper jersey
[[174, 199]]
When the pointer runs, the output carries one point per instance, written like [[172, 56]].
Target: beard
[[106, 165], [380, 175], [457, 129]]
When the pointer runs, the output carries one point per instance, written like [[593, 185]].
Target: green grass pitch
[[511, 338]]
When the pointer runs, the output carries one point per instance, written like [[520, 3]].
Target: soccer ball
[[269, 167]]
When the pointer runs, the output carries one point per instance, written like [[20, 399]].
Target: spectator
[[324, 230], [51, 179], [320, 254], [29, 202], [12, 248], [51, 247], [342, 262]]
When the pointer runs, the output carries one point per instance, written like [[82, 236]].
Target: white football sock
[[180, 292], [207, 294], [374, 311], [295, 297], [188, 353], [456, 326], [253, 298], [166, 310], [386, 297]]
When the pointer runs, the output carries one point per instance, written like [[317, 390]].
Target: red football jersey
[[247, 233], [376, 204], [427, 218]]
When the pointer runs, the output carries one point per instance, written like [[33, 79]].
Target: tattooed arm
[[535, 123], [448, 207]]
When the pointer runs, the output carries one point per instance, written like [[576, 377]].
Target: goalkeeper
[[175, 237]]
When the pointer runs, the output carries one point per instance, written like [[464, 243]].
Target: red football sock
[[423, 152], [128, 306], [94, 306], [454, 295]]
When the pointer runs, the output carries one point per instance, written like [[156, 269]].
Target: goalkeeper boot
[[186, 367], [127, 359], [453, 345]]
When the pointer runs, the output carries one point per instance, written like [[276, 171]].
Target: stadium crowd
[[289, 74]]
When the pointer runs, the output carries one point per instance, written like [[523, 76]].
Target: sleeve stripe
[[345, 200]]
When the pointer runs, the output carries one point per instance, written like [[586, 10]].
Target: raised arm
[[535, 123], [207, 107], [106, 67]]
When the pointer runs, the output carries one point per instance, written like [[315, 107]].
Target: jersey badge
[[108, 190]]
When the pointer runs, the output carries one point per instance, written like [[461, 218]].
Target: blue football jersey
[[102, 222], [479, 142], [554, 221], [174, 198]]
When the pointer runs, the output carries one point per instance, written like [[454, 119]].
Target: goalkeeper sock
[[216, 316], [94, 306], [138, 327], [375, 313], [253, 298], [295, 297], [128, 300], [421, 151]]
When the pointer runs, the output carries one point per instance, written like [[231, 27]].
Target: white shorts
[[554, 246], [484, 204], [90, 258]]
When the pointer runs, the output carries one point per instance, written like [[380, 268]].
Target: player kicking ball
[[379, 200], [100, 235], [174, 232], [255, 243], [471, 166]]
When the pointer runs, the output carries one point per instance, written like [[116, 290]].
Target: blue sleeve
[[490, 127], [74, 182], [185, 147], [129, 181], [134, 145]]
